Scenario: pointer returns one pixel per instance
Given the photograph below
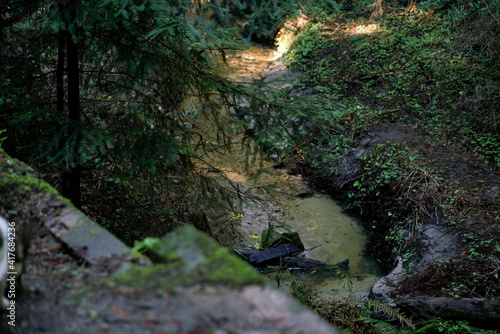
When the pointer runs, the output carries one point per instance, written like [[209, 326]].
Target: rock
[[84, 237], [194, 309], [280, 235], [384, 288], [202, 287], [190, 257], [438, 244], [278, 76]]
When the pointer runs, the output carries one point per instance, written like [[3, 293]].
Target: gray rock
[[278, 76], [84, 237], [384, 288]]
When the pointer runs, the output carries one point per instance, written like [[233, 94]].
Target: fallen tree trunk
[[479, 311], [284, 256], [302, 263], [261, 257]]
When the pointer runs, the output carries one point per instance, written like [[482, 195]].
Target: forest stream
[[328, 234]]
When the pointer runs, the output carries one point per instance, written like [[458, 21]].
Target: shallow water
[[331, 235]]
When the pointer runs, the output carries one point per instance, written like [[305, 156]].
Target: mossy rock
[[190, 257], [280, 235], [18, 182]]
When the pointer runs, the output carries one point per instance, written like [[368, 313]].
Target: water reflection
[[330, 235]]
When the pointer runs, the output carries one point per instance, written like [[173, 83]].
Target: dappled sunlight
[[288, 32], [364, 29]]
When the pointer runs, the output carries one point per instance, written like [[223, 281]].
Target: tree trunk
[[478, 311], [71, 178], [60, 68], [60, 166]]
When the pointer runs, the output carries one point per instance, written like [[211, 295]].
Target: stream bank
[[430, 206], [427, 240]]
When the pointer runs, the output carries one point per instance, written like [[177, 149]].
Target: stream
[[327, 233]]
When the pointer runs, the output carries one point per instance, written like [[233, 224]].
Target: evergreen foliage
[[126, 128]]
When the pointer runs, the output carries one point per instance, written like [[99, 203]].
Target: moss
[[28, 183], [190, 257], [18, 182], [229, 269], [158, 277]]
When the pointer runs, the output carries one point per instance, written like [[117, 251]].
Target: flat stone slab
[[86, 238]]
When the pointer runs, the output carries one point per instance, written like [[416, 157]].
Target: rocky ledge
[[81, 279]]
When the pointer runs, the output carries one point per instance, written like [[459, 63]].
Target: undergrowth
[[369, 316], [429, 72]]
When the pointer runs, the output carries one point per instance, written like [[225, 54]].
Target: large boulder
[[201, 287]]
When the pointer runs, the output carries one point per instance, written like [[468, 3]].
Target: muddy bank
[[424, 228], [433, 241]]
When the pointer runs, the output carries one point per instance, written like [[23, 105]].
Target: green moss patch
[[23, 191], [190, 257]]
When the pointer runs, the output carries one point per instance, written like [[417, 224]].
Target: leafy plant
[[2, 138], [439, 325]]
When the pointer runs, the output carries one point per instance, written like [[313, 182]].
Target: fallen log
[[475, 310], [302, 263], [261, 257], [284, 256]]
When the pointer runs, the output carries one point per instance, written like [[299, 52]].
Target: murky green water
[[331, 235]]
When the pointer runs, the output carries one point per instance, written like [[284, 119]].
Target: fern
[[381, 326], [438, 325], [389, 312]]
